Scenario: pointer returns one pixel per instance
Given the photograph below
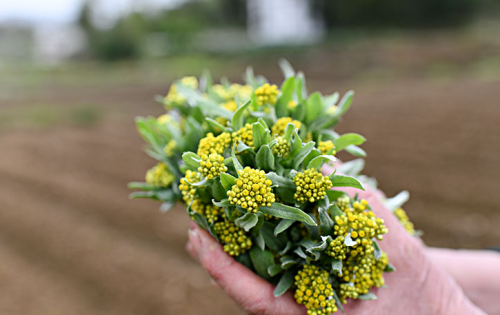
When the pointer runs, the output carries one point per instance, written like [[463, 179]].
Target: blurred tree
[[396, 13]]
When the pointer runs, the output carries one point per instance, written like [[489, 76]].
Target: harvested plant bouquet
[[246, 160]]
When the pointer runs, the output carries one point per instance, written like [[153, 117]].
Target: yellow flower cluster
[[327, 147], [405, 220], [337, 248], [280, 125], [170, 148], [311, 186], [266, 94], [251, 190], [230, 105], [282, 148], [360, 274], [244, 135], [314, 291], [164, 119], [173, 98], [242, 92], [190, 81], [188, 191], [213, 213], [292, 104], [211, 165], [343, 203], [160, 175], [211, 144], [235, 240], [363, 227]]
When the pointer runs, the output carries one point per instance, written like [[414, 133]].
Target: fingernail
[[194, 239], [192, 225]]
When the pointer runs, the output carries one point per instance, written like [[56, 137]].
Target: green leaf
[[280, 181], [285, 283], [250, 77], [247, 221], [345, 181], [227, 181], [337, 301], [282, 226], [140, 185], [348, 241], [274, 270], [344, 104], [215, 124], [142, 194], [302, 154], [167, 205], [296, 144], [218, 191], [377, 252], [197, 184], [356, 151], [236, 163], [286, 68], [351, 168], [275, 243], [325, 222], [191, 159], [325, 240], [222, 204], [261, 260], [334, 194], [288, 131], [206, 81], [166, 194], [259, 240], [389, 268], [368, 296], [314, 107], [237, 120], [335, 210], [286, 212], [397, 201], [348, 139], [319, 160], [287, 89], [337, 266], [261, 136], [265, 158]]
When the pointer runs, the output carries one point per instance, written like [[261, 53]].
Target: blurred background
[[74, 74]]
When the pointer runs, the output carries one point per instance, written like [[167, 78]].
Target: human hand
[[418, 286]]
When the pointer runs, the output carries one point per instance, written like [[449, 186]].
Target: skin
[[476, 271], [418, 286]]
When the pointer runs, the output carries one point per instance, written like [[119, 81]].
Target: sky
[[66, 11]]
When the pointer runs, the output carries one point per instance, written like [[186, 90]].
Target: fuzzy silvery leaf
[[286, 212], [337, 266], [261, 135], [275, 243], [347, 140], [351, 168], [287, 89], [397, 201], [236, 163], [141, 185], [348, 241], [319, 160], [334, 194], [191, 159], [356, 151], [286, 68], [282, 226], [367, 297], [345, 181], [237, 120], [227, 180], [222, 204], [325, 241], [377, 252], [326, 223], [247, 221], [261, 260], [167, 205], [274, 270], [215, 125], [314, 107], [285, 283], [265, 158], [302, 154]]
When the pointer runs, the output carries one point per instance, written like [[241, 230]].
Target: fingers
[[249, 290]]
